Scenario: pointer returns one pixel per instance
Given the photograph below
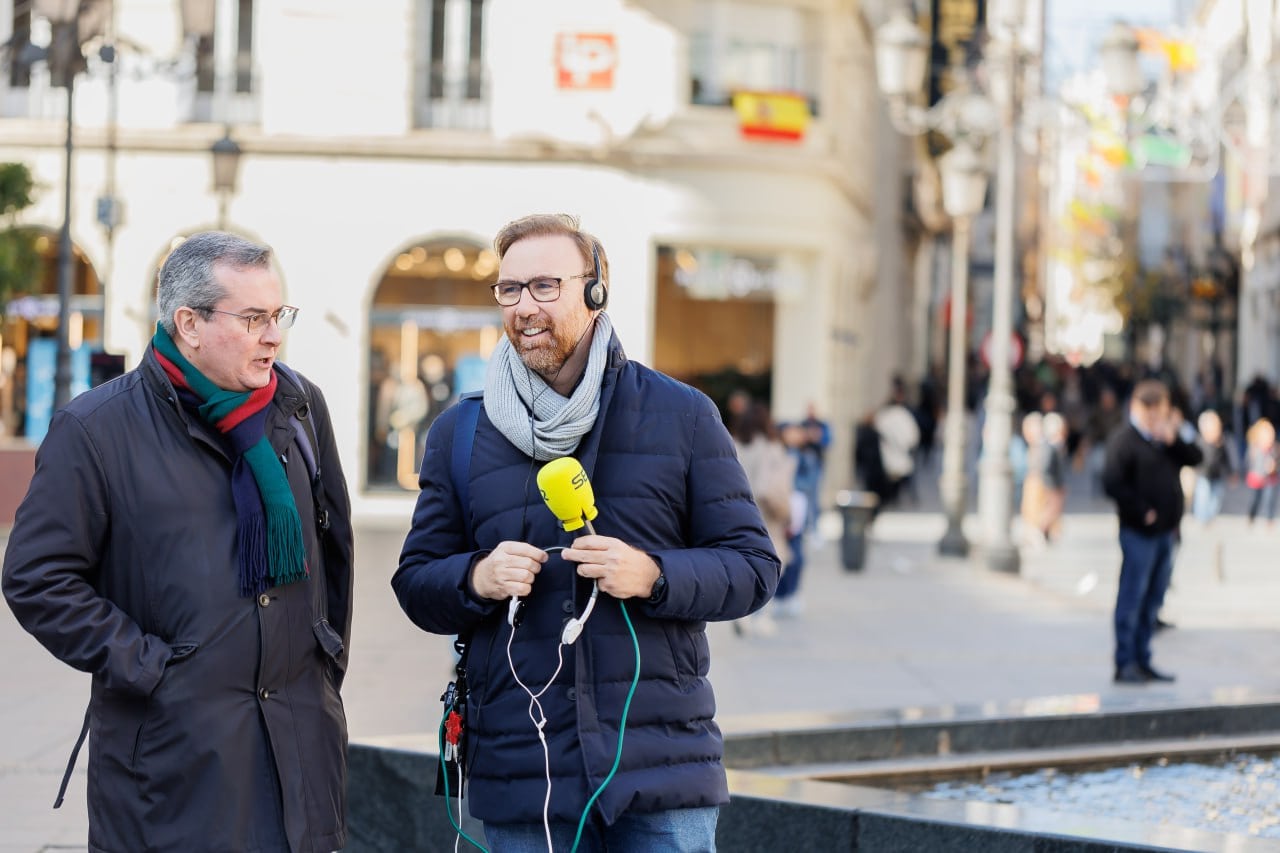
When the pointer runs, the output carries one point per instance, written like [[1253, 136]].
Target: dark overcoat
[[667, 481], [215, 719]]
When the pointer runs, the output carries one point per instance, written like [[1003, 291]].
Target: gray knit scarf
[[512, 390]]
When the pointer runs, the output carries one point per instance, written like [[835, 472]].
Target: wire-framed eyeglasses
[[283, 316], [544, 288]]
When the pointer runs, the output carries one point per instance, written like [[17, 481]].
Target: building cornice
[[706, 142]]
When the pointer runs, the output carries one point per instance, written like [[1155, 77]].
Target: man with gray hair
[[187, 541]]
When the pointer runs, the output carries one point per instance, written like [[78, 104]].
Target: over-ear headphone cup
[[595, 295]]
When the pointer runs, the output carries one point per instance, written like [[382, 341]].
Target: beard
[[544, 356]]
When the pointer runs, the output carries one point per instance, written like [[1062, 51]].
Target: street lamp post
[[965, 118], [964, 190], [226, 168], [66, 60], [995, 473]]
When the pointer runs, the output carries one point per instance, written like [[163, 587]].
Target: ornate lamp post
[[995, 471], [226, 169], [964, 191], [966, 118], [66, 60]]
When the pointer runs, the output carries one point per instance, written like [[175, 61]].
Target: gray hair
[[187, 280]]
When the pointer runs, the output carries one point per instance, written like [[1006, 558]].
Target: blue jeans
[[790, 580], [1145, 569], [1263, 499], [1206, 501], [671, 831]]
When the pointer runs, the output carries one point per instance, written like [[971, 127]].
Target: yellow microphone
[[567, 493]]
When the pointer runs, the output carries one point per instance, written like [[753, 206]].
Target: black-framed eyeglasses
[[284, 317], [543, 289]]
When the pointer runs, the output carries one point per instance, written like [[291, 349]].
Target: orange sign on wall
[[585, 60]]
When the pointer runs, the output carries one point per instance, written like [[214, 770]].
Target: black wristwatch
[[659, 589]]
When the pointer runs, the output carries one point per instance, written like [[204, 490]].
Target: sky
[[1074, 28]]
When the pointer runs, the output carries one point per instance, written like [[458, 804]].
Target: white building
[[383, 144]]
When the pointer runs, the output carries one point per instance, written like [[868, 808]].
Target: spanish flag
[[771, 115]]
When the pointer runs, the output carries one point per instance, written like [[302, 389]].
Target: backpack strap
[[464, 437], [305, 432], [455, 695]]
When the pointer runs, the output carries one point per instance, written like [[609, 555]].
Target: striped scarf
[[268, 529]]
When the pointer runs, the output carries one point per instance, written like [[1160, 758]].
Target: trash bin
[[857, 509]]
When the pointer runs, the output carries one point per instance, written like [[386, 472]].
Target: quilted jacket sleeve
[[431, 582], [51, 568], [729, 568]]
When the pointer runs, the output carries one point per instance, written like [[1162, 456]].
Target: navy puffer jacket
[[666, 481]]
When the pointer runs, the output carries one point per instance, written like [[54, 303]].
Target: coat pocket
[[181, 651], [330, 643]]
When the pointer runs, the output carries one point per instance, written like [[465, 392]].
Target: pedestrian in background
[[899, 436], [1144, 458], [812, 462], [1217, 465], [1028, 460], [177, 544], [1054, 463], [786, 601], [1260, 469], [771, 473]]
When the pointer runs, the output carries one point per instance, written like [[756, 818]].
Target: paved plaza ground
[[912, 630]]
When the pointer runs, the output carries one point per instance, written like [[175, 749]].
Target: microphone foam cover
[[567, 492]]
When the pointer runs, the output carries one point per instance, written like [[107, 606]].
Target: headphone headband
[[596, 292]]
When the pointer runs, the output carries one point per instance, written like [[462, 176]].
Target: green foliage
[[19, 261]]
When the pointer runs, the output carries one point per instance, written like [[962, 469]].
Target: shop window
[[451, 83], [28, 342], [433, 325], [760, 47], [714, 320], [19, 69]]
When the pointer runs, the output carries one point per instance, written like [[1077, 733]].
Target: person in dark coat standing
[[172, 545], [1141, 474], [568, 740]]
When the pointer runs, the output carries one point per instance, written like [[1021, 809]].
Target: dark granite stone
[[873, 740], [393, 808], [392, 805]]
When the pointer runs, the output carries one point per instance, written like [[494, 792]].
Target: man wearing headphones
[[591, 751]]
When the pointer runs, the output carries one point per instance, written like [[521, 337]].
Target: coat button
[[567, 607], [572, 694], [264, 693], [264, 600]]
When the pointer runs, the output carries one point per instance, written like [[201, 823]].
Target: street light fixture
[[964, 191], [995, 471], [226, 169], [1118, 55], [966, 117], [963, 116]]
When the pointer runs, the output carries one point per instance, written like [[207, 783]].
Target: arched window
[[29, 331], [432, 326]]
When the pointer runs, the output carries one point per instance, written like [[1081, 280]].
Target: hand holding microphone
[[618, 569]]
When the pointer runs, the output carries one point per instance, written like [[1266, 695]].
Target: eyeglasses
[[542, 289], [284, 317]]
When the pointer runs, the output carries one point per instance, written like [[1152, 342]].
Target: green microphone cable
[[622, 729]]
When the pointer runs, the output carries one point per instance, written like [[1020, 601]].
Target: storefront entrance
[[432, 326], [28, 342], [714, 320]]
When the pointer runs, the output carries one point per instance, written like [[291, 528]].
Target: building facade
[[724, 151]]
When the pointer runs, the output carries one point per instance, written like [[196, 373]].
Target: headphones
[[596, 293]]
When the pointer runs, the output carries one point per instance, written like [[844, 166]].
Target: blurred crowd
[[1064, 415]]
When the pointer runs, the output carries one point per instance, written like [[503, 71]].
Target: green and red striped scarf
[[268, 531]]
